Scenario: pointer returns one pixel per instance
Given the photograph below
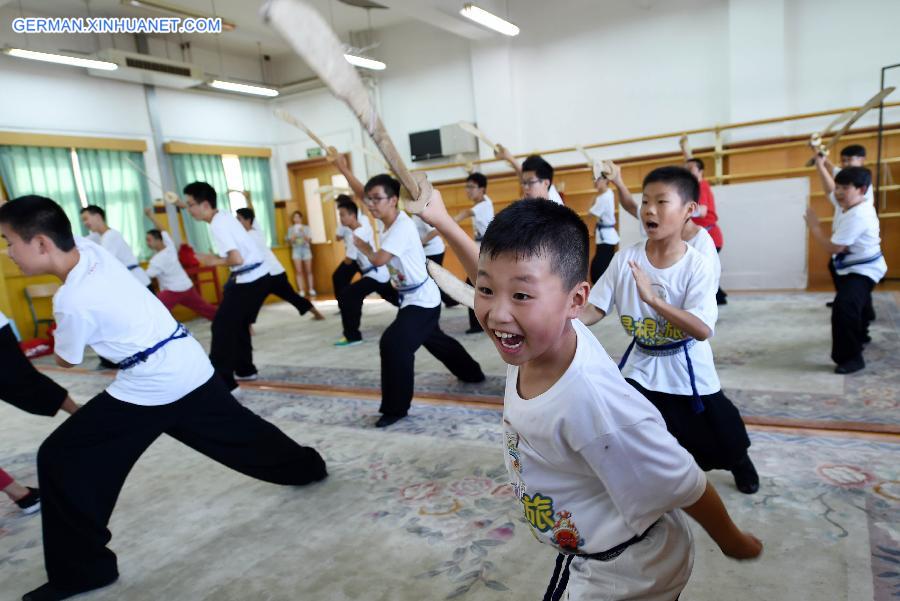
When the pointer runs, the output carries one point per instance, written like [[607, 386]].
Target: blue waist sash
[[130, 267], [367, 269], [245, 268], [840, 263], [402, 291], [141, 356], [665, 350]]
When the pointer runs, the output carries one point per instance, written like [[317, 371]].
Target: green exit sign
[[313, 153]]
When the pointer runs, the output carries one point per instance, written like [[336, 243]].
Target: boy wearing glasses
[[417, 321], [535, 174]]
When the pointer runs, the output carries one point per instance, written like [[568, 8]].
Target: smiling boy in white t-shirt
[[590, 459]]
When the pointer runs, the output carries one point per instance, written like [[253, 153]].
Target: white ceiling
[[250, 30]]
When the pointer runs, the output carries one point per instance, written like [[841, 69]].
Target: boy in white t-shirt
[[230, 345], [855, 246], [535, 175], [664, 292], [279, 284], [165, 385], [374, 279], [418, 320], [175, 287], [94, 219], [482, 213], [605, 235], [591, 462]]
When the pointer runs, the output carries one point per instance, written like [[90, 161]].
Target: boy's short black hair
[[854, 150], [202, 192], [699, 162], [858, 177], [154, 233], [247, 214], [478, 179], [680, 178], [346, 203], [389, 184], [542, 169], [94, 210], [31, 215], [537, 228]]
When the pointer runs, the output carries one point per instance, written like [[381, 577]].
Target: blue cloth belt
[[840, 263], [367, 269], [245, 268], [140, 357], [401, 292], [130, 267], [664, 350]]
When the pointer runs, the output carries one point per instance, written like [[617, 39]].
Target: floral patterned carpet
[[422, 511]]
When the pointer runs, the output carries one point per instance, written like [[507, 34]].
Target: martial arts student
[[535, 174], [605, 235], [165, 384], [855, 246], [417, 321], [851, 156], [434, 250], [482, 213], [230, 345], [23, 386], [705, 215], [598, 476], [175, 287], [279, 284], [663, 290], [374, 279], [349, 267], [94, 219]]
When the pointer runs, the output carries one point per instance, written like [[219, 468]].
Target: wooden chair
[[37, 291]]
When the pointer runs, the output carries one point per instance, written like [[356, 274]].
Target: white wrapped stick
[[289, 118], [874, 101], [168, 196], [451, 285], [470, 128], [600, 168], [312, 38]]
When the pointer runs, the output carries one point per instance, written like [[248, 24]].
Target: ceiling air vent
[[147, 69]]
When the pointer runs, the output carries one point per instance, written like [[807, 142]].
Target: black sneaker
[[49, 592], [745, 477], [30, 503], [849, 367], [386, 420]]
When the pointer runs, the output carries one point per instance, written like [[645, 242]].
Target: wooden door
[[320, 213]]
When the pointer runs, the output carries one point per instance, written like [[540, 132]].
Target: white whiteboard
[[765, 234]]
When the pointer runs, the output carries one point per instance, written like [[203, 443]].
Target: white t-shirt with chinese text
[[482, 215], [407, 267], [859, 229], [590, 459], [100, 305], [604, 210], [167, 269], [435, 246], [115, 244], [228, 234], [703, 242], [689, 284]]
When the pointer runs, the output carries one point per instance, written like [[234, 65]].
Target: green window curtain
[[200, 168], [258, 182], [42, 171], [116, 187]]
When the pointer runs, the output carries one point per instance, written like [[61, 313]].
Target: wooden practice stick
[[872, 103], [452, 285], [600, 168], [312, 38], [470, 128], [685, 146], [169, 197], [289, 118]]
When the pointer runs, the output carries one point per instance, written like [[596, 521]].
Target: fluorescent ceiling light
[[489, 20], [174, 9], [61, 59], [242, 88], [365, 63]]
